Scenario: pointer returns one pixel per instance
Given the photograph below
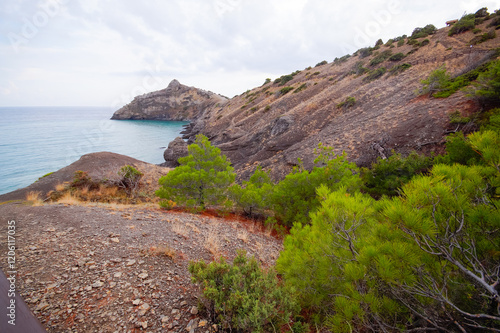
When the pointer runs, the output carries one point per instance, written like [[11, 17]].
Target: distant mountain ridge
[[365, 104]]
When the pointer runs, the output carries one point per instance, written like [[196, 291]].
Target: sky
[[105, 52]]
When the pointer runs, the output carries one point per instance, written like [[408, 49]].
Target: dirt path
[[118, 269]]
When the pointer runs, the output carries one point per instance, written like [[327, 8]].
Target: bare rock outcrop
[[175, 150], [176, 102]]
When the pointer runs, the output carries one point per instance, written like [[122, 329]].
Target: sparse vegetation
[[300, 88], [347, 103], [375, 74], [380, 58], [484, 37], [324, 62], [397, 57], [399, 68], [285, 90]]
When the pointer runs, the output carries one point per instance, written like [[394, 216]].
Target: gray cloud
[[96, 52]]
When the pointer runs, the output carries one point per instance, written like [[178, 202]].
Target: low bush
[[242, 297], [300, 88], [324, 62], [467, 22], [365, 52], [285, 90], [358, 69], [380, 58], [399, 68], [375, 74], [347, 103], [397, 57], [484, 37], [130, 177], [423, 32]]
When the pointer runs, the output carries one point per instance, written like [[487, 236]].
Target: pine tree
[[202, 179], [253, 196]]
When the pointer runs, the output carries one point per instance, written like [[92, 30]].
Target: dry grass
[[243, 235], [60, 187], [161, 251], [212, 243], [194, 228], [180, 229], [69, 199], [34, 199]]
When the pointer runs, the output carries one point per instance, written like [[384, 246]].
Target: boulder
[[175, 150]]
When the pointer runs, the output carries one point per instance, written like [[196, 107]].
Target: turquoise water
[[37, 140]]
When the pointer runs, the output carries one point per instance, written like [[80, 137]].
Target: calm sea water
[[37, 140]]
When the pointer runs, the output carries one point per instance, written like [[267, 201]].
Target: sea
[[35, 141]]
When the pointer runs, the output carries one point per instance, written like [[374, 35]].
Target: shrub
[[82, 179], [295, 196], [467, 22], [130, 176], [242, 296], [386, 177], [202, 178], [488, 86], [358, 68], [380, 58], [267, 81], [437, 81], [423, 32], [347, 103], [300, 88], [338, 61], [365, 52], [458, 150], [389, 42], [375, 74], [424, 42], [285, 90], [397, 57], [379, 42], [283, 79], [483, 12], [401, 42], [324, 62], [399, 68], [484, 37], [253, 196]]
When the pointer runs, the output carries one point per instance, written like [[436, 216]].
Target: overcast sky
[[105, 52]]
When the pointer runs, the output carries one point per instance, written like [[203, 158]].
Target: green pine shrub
[[201, 180], [399, 68], [385, 177], [285, 90], [242, 297], [466, 22], [397, 57], [130, 177], [375, 74], [380, 58], [324, 62], [253, 197], [295, 197]]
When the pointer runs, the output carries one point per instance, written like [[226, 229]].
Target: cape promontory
[[176, 102]]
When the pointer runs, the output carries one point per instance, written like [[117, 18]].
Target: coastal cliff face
[[176, 102], [364, 104]]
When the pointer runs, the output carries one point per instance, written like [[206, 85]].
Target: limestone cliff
[[176, 102]]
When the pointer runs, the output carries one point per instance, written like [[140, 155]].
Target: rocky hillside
[[176, 102], [365, 104]]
